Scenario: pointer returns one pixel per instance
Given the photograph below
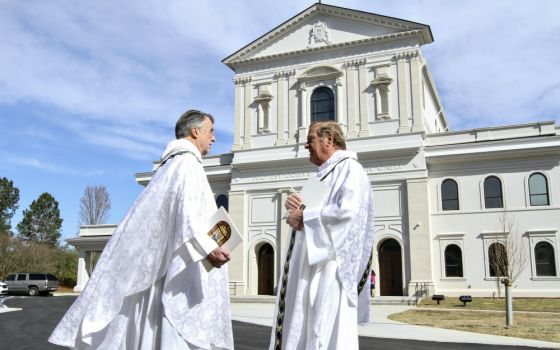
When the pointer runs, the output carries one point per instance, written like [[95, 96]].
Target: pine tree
[[41, 223], [9, 197]]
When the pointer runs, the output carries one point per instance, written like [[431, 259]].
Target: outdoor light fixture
[[438, 297], [465, 299]]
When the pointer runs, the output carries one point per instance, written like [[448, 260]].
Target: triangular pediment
[[321, 27]]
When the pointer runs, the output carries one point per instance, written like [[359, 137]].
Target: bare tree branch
[[95, 205]]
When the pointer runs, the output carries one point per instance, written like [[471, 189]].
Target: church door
[[390, 266], [265, 263]]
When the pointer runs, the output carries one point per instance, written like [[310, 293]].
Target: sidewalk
[[381, 327]]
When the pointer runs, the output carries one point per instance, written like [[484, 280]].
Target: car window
[[11, 278], [51, 277], [21, 277], [37, 276]]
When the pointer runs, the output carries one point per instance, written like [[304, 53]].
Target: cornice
[[326, 48]]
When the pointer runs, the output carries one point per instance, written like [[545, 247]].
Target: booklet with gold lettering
[[223, 231]]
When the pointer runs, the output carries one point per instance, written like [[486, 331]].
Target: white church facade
[[444, 200]]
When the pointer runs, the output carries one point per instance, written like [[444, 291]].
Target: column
[[351, 100], [340, 117], [237, 116], [302, 136], [237, 265], [402, 93], [420, 242], [416, 88], [363, 84], [83, 276], [292, 110], [248, 120], [281, 101]]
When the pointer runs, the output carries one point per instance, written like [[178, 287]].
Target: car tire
[[32, 291]]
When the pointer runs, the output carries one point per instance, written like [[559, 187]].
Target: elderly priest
[[324, 290], [150, 288]]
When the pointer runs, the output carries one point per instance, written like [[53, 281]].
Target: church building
[[448, 204]]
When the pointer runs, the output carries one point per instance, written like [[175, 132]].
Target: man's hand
[[293, 202], [218, 257], [295, 219]]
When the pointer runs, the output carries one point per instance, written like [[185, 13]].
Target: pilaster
[[292, 105], [247, 117], [281, 81], [402, 73], [419, 235], [283, 233], [339, 103], [351, 97], [237, 115], [416, 89], [363, 84], [302, 134], [237, 264]]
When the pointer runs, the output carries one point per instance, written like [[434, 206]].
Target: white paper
[[314, 193]]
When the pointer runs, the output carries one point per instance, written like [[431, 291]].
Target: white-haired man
[[150, 289], [321, 296]]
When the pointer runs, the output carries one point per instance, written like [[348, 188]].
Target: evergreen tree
[[9, 197], [41, 223]]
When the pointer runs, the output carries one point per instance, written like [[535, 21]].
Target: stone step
[[264, 299], [394, 300]]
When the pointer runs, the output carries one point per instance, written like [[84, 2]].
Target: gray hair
[[190, 119], [326, 128]]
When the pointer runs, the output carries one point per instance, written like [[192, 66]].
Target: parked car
[[3, 288], [32, 283]]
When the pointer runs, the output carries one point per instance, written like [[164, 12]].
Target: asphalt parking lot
[[31, 327]]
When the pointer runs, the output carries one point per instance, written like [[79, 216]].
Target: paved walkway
[[261, 313], [382, 327]]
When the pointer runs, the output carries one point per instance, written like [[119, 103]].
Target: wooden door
[[390, 266], [265, 262]]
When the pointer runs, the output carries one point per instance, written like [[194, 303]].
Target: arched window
[[449, 195], [453, 261], [497, 260], [322, 104], [493, 193], [538, 189], [222, 201], [544, 259]]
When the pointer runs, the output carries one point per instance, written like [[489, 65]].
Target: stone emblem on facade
[[319, 34]]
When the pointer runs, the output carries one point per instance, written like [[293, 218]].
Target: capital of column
[[242, 80], [355, 63], [407, 55], [284, 74]]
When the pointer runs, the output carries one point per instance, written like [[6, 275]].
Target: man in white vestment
[[150, 288], [324, 291]]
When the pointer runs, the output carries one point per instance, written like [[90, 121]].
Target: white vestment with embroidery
[[323, 307], [150, 289]]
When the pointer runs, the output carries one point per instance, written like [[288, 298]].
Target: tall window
[[544, 259], [538, 189], [453, 261], [493, 193], [497, 260], [222, 201], [449, 195], [322, 104]]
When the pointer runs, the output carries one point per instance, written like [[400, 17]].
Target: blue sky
[[90, 90]]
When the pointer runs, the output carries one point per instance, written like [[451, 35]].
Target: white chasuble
[[320, 306], [150, 289]]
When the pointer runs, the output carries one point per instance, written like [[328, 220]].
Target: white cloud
[[48, 166], [126, 70]]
